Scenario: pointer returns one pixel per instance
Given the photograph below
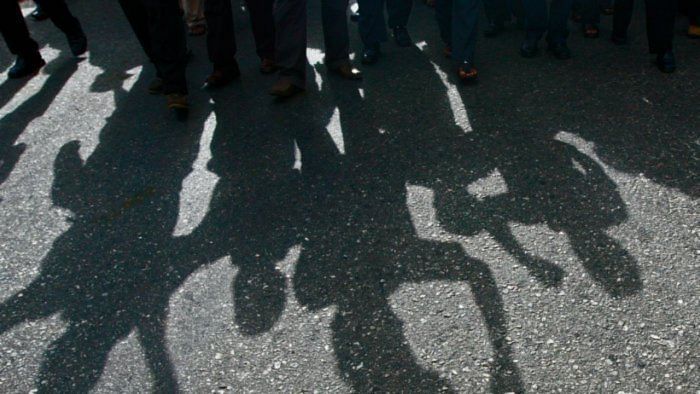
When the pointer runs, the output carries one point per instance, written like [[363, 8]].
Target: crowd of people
[[279, 29]]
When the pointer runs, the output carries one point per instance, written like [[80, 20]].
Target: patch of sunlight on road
[[198, 186]]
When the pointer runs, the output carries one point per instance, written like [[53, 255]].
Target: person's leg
[[14, 31], [398, 12], [137, 16], [263, 25], [661, 18], [61, 16], [221, 37], [496, 11], [558, 30], [535, 18], [290, 41], [194, 14], [166, 31], [465, 15], [443, 15], [590, 12], [371, 22], [335, 32], [622, 18]]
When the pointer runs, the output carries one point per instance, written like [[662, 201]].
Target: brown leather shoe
[[177, 102], [284, 89], [348, 71], [267, 66], [467, 73], [222, 76]]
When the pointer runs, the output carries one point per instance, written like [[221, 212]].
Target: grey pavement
[[536, 232]]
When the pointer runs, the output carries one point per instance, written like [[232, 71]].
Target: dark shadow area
[[14, 123], [115, 269]]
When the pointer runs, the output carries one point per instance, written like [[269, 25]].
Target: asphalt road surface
[[536, 232]]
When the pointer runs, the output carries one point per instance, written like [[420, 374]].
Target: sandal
[[591, 31], [467, 72]]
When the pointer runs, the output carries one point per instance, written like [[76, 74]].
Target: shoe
[[529, 48], [77, 43], [26, 66], [156, 86], [222, 76], [39, 15], [694, 31], [354, 16], [467, 72], [591, 31], [285, 89], [370, 54], [493, 30], [267, 66], [197, 30], [401, 36], [177, 103], [666, 62], [619, 40], [560, 51], [348, 71]]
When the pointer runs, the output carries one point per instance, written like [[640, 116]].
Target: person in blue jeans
[[539, 21], [457, 20]]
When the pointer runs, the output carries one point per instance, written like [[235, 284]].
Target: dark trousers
[[457, 20], [537, 20], [14, 30], [290, 37], [60, 15], [499, 11], [661, 18], [160, 29], [589, 10], [371, 24], [221, 38]]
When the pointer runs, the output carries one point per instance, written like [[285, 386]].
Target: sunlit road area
[[537, 232]]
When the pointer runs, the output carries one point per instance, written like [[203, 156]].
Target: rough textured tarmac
[[535, 232]]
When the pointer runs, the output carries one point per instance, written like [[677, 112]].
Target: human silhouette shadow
[[113, 270], [14, 123], [360, 244]]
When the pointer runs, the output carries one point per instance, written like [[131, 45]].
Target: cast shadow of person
[[548, 181], [360, 242], [14, 123], [112, 272]]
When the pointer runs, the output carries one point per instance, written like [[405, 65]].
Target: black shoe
[[666, 62], [529, 48], [619, 40], [401, 37], [493, 29], [26, 66], [77, 43], [560, 51], [39, 14], [370, 54]]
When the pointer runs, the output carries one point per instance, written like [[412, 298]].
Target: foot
[[694, 31], [619, 40], [26, 66], [401, 36], [370, 54], [591, 31], [77, 44], [177, 103], [156, 86], [222, 75], [529, 48], [560, 51], [198, 30], [467, 72], [285, 89], [39, 14], [347, 71], [267, 66], [666, 62], [493, 29]]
